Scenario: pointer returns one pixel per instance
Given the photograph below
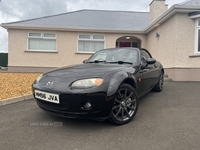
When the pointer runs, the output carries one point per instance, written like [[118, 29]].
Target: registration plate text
[[54, 98]]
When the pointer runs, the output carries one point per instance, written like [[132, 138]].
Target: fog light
[[87, 105]]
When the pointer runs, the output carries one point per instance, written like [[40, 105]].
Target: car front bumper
[[71, 105]]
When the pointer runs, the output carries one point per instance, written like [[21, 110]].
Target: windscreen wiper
[[96, 61], [120, 62]]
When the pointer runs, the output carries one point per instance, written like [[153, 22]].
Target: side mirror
[[85, 61], [151, 61]]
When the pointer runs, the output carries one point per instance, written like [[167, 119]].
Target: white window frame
[[90, 39], [41, 37], [197, 29]]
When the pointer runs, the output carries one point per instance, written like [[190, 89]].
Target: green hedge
[[4, 59]]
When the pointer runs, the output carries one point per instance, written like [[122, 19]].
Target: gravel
[[16, 84]]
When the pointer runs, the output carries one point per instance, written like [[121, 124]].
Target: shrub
[[4, 59]]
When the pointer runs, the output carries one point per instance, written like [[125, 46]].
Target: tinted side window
[[145, 54]]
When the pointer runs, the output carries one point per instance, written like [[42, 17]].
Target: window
[[116, 55], [101, 56], [41, 41], [197, 43], [90, 43], [145, 54], [134, 44]]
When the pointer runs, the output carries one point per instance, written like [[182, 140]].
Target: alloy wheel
[[161, 82], [125, 105]]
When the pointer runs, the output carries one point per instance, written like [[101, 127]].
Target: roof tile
[[95, 19], [190, 3]]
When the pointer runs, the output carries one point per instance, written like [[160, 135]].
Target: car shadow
[[78, 123], [145, 97]]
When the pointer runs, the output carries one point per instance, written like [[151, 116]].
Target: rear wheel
[[125, 105], [159, 86]]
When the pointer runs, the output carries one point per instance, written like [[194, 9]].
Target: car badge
[[50, 83]]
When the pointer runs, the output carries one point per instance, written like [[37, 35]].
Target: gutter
[[63, 28]]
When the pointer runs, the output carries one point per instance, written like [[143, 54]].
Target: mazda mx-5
[[106, 86]]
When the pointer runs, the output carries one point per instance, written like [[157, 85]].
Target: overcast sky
[[14, 10]]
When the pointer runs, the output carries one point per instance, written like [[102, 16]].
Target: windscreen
[[116, 55]]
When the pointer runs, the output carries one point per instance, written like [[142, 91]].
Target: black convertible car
[[106, 86]]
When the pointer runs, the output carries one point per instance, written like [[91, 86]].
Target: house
[[171, 35]]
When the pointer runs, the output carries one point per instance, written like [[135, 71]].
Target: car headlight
[[87, 83], [38, 78]]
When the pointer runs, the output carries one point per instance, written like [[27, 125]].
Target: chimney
[[157, 8]]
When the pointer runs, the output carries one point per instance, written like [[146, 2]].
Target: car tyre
[[159, 86], [125, 105]]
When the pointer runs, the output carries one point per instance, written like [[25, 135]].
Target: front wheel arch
[[118, 80], [131, 82]]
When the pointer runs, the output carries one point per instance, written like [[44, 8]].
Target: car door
[[150, 72]]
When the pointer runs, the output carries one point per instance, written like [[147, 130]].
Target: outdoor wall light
[[157, 35], [128, 37]]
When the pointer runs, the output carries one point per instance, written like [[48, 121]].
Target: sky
[[16, 10]]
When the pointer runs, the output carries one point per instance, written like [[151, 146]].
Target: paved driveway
[[166, 120]]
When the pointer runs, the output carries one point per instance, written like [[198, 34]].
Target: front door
[[150, 72], [125, 44]]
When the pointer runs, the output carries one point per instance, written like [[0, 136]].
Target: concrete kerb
[[15, 99]]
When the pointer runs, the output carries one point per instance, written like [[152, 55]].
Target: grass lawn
[[16, 84]]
